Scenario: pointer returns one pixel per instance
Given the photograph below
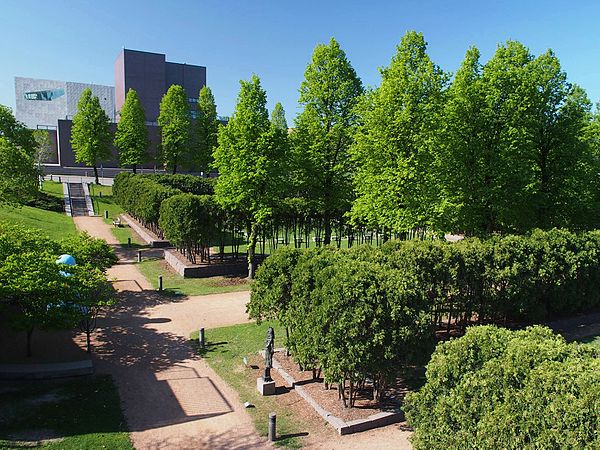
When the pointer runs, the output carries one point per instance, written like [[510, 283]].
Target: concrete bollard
[[272, 427], [201, 338], [160, 286], [106, 214], [139, 256]]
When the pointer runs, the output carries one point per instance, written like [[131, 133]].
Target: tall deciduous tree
[[249, 160], [512, 154], [206, 131], [131, 137], [278, 117], [174, 121], [90, 134], [395, 181], [329, 94], [18, 174]]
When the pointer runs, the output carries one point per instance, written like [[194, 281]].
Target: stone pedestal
[[265, 387]]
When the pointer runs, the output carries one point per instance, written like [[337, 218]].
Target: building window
[[45, 96]]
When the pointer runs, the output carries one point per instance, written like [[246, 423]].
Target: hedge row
[[494, 388], [190, 223], [141, 197], [369, 311], [186, 183]]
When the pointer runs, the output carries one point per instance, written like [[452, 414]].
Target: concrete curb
[[146, 237], [355, 426], [66, 199], [88, 199], [46, 370]]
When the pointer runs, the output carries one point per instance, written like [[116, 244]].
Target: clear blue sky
[[79, 40]]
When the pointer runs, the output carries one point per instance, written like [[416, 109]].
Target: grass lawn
[[53, 224], [68, 414], [175, 284], [224, 352], [592, 340], [53, 188], [106, 203]]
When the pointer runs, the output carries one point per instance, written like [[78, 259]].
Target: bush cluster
[[368, 312], [494, 388], [36, 293], [346, 315], [141, 197], [186, 183], [189, 222]]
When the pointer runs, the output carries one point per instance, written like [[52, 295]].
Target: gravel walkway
[[171, 398]]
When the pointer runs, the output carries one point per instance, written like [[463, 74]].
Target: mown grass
[[224, 352], [53, 188], [53, 224], [80, 413], [592, 340], [175, 284]]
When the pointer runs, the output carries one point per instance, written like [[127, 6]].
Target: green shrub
[[494, 388]]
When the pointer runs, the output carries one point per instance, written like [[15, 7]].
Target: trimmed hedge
[[186, 183], [188, 222], [494, 388], [370, 312], [141, 197]]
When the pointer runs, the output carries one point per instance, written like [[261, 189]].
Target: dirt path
[[171, 398]]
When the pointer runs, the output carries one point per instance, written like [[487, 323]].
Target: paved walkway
[[171, 398]]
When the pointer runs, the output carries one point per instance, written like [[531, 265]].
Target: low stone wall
[[147, 236], [354, 426], [46, 370], [188, 270]]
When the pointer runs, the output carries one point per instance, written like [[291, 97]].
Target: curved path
[[171, 398]]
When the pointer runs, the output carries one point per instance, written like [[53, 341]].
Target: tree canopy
[[206, 131], [324, 131], [90, 134], [131, 137], [174, 121], [250, 159]]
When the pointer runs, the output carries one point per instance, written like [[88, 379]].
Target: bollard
[[50, 177], [59, 180], [100, 194], [106, 214], [139, 256], [272, 427], [160, 283], [128, 242], [201, 338]]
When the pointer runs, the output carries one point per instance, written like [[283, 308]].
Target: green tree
[[249, 159], [18, 172], [395, 150], [329, 94], [90, 134], [206, 131], [493, 388], [16, 132], [131, 137], [174, 121], [278, 117]]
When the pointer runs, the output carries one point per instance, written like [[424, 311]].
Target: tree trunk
[[89, 343], [327, 223], [251, 251], [96, 175], [174, 168], [134, 169], [29, 333]]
